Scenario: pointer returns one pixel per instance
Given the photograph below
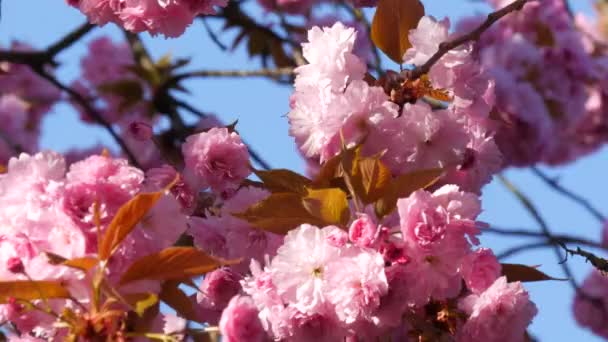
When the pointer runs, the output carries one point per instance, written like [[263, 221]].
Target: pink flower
[[357, 284], [501, 313], [240, 321], [590, 309], [480, 269], [174, 325], [363, 232], [438, 229], [218, 287], [168, 17], [299, 271], [216, 159]]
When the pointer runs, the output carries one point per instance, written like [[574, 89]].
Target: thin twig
[[91, 111], [554, 184], [278, 72], [474, 35], [531, 208]]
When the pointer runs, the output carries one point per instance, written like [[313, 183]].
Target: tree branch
[[40, 58], [278, 72], [554, 184], [531, 208], [91, 111], [474, 35]]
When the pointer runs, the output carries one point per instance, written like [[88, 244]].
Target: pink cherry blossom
[[500, 313], [240, 321], [217, 159], [480, 269]]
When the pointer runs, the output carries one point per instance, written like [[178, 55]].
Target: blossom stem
[[474, 35]]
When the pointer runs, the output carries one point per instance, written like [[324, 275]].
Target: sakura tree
[[179, 230]]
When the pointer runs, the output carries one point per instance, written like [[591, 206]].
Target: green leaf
[[523, 273], [391, 26]]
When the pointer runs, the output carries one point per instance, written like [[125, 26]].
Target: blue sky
[[260, 105]]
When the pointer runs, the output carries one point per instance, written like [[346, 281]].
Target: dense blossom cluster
[[550, 84], [333, 102], [48, 209], [343, 255], [167, 17]]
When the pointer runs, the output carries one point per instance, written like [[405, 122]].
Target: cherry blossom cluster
[[167, 17], [326, 284], [50, 208], [25, 98], [332, 101], [550, 84], [416, 273]]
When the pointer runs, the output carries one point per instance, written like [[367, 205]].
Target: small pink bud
[[140, 130], [363, 231], [15, 265]]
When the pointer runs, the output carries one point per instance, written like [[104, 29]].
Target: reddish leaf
[[175, 298], [523, 273], [282, 180], [83, 264], [172, 263], [392, 23], [403, 186], [373, 179], [279, 213], [329, 205], [31, 290], [125, 221]]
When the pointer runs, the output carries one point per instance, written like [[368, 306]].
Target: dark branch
[[474, 35], [554, 184], [91, 111], [41, 58]]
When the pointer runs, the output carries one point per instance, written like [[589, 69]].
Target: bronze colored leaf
[[329, 205], [83, 264], [282, 180], [172, 263], [279, 213], [175, 298], [392, 23], [374, 179], [31, 290], [125, 221], [523, 273], [402, 186], [141, 302]]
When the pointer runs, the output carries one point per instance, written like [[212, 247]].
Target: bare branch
[[554, 184], [91, 111], [40, 58], [274, 73], [474, 35], [531, 208]]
